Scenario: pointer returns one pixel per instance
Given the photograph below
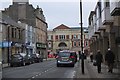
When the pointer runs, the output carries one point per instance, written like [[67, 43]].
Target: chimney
[[20, 1]]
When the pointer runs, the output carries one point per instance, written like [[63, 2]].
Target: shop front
[[16, 47], [41, 49], [29, 48]]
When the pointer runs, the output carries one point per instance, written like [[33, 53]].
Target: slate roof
[[7, 20]]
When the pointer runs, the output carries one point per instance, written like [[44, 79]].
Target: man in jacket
[[109, 58], [99, 59]]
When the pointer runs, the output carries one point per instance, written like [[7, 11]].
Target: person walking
[[99, 59], [91, 56], [109, 58]]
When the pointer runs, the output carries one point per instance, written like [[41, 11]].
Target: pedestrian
[[99, 59], [91, 56], [109, 58]]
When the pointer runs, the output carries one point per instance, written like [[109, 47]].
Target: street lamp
[[82, 54], [8, 45]]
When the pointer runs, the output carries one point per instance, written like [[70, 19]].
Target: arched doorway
[[62, 44]]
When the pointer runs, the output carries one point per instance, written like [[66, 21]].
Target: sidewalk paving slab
[[91, 71]]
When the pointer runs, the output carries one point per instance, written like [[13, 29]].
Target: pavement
[[90, 71]]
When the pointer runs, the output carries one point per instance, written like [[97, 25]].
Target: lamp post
[[82, 54], [8, 45]]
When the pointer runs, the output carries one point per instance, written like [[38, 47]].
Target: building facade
[[66, 38], [104, 27], [29, 46], [12, 40], [32, 17]]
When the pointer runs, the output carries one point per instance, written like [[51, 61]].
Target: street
[[46, 69]]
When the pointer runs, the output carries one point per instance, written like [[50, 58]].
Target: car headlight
[[58, 61]]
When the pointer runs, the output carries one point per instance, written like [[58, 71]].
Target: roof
[[7, 20], [62, 26], [75, 27]]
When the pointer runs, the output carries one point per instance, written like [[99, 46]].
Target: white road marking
[[36, 75], [33, 77]]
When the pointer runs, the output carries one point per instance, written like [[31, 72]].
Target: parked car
[[40, 57], [36, 57], [27, 58], [66, 57], [17, 59]]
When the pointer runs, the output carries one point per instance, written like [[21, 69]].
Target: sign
[[6, 44], [0, 44], [40, 45]]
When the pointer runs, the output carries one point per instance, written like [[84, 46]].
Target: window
[[79, 43], [74, 44], [75, 36], [12, 32], [49, 37], [78, 36], [107, 4], [86, 43], [56, 37], [67, 36], [19, 33], [61, 37], [15, 33]]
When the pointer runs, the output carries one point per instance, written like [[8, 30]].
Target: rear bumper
[[61, 62]]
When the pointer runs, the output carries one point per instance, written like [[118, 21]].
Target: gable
[[62, 26]]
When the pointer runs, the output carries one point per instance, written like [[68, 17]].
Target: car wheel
[[41, 60], [11, 65], [17, 65], [58, 65], [23, 63], [72, 65]]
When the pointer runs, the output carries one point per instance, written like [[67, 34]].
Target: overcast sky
[[59, 12]]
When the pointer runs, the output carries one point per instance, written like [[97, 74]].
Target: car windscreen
[[16, 56], [64, 54], [23, 54], [34, 55]]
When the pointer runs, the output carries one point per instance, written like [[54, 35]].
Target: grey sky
[[60, 12]]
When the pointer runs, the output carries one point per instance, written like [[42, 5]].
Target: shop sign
[[6, 44], [40, 45], [0, 44]]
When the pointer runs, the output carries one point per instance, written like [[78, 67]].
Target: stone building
[[29, 46], [12, 40], [24, 12], [63, 37], [104, 27]]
